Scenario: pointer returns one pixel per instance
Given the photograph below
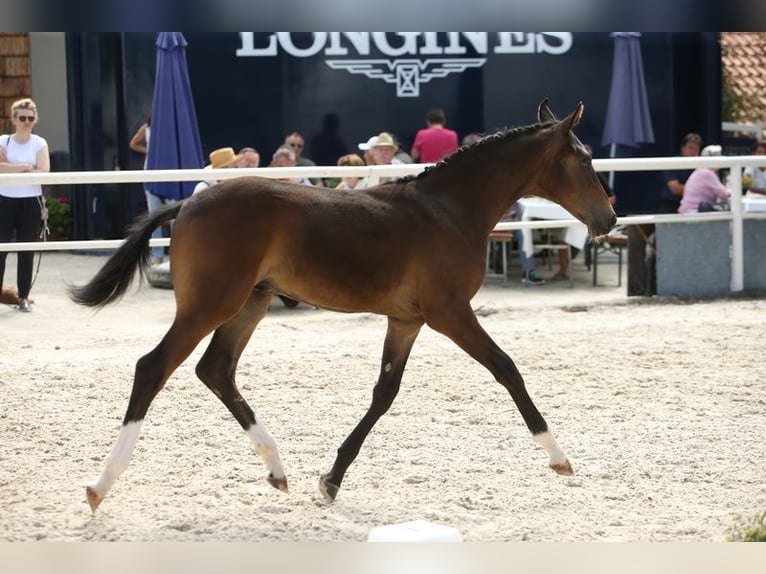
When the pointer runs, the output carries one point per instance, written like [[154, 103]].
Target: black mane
[[468, 151]]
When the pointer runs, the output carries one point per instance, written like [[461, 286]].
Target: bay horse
[[413, 250]]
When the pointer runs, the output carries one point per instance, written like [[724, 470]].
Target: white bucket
[[415, 531]]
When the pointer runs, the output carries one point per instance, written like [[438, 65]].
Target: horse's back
[[367, 250]]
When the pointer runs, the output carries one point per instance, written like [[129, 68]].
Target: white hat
[[364, 146], [711, 150]]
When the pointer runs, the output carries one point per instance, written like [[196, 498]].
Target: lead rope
[[44, 232]]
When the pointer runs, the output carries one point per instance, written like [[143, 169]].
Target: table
[[539, 208], [754, 203]]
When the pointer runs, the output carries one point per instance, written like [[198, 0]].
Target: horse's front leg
[[460, 324], [400, 337]]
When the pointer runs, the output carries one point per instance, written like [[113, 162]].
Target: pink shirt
[[434, 143], [703, 185]]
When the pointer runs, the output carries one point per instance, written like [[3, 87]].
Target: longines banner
[[413, 59]]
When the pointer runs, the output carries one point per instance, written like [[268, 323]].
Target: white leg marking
[[550, 445], [265, 446], [118, 459]]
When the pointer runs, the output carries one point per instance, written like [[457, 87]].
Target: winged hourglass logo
[[407, 74]]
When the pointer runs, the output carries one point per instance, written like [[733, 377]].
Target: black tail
[[117, 274]]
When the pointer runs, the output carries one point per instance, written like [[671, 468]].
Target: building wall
[[34, 65], [49, 87], [15, 79]]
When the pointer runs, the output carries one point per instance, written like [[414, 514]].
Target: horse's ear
[[544, 113], [575, 116]]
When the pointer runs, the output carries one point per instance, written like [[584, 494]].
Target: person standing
[[140, 143], [435, 141], [21, 206], [675, 179]]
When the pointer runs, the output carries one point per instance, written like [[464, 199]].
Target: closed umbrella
[[175, 142], [628, 121]]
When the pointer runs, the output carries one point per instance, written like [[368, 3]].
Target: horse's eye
[[585, 163]]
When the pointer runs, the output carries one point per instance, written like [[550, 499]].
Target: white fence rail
[[374, 173]]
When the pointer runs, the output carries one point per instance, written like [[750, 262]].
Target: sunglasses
[[25, 118]]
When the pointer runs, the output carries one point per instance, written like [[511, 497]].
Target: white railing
[[374, 173]]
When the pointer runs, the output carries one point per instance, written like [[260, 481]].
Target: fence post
[[737, 229]]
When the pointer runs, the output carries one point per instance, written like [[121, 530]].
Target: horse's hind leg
[[400, 337], [217, 369], [152, 371], [463, 328]]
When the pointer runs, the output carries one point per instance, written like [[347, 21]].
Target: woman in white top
[[21, 205]]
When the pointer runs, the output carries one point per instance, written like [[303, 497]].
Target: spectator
[[295, 141], [757, 174], [401, 155], [674, 180], [248, 157], [529, 275], [383, 150], [348, 183], [220, 158], [366, 147], [21, 206], [435, 141], [140, 143], [285, 157], [703, 185]]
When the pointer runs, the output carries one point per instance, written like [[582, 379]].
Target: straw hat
[[222, 157], [385, 139]]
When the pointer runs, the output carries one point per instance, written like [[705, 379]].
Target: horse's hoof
[[563, 468], [328, 489], [278, 483], [93, 498]]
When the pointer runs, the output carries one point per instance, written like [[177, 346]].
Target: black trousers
[[22, 215]]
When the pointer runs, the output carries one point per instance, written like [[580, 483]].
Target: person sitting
[[366, 147], [248, 157], [529, 275], [220, 158], [757, 174], [285, 157], [296, 143], [384, 151], [349, 183], [703, 185], [675, 179]]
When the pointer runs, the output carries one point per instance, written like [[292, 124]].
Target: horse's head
[[568, 177]]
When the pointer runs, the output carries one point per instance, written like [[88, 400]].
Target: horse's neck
[[483, 192]]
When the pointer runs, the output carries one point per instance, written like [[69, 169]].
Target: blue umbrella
[[628, 121], [175, 141]]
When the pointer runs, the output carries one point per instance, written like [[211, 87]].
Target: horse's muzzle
[[602, 225]]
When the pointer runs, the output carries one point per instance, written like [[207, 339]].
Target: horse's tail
[[114, 278]]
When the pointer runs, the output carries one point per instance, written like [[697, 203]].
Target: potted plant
[[59, 215]]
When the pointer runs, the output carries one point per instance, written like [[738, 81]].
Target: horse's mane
[[468, 151]]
